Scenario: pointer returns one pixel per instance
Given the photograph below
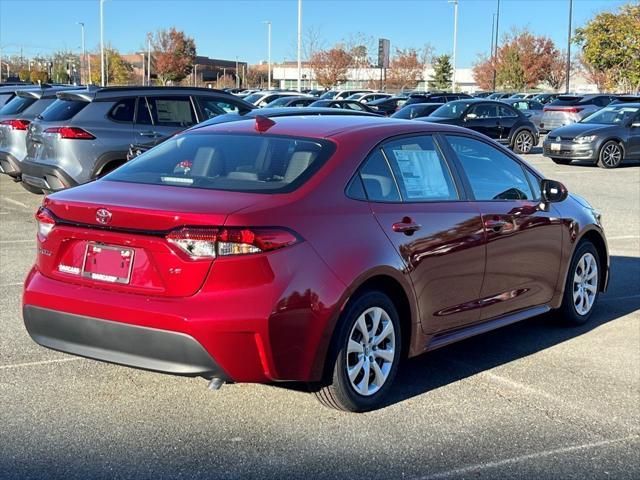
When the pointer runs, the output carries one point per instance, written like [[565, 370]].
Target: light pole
[[495, 46], [455, 42], [268, 53], [569, 48], [143, 73], [299, 45], [149, 59], [102, 77], [237, 77], [84, 53]]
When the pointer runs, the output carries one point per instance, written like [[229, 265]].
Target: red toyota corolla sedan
[[312, 249]]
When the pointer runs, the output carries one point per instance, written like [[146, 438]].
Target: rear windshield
[[62, 110], [16, 105], [4, 97], [566, 101], [239, 163], [451, 109]]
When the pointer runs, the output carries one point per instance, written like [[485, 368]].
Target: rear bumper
[[121, 343], [46, 177], [10, 165]]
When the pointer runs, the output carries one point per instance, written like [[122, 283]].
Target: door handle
[[150, 134], [406, 226], [495, 225]]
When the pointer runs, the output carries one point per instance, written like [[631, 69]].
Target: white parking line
[[2, 285], [16, 202], [624, 237], [43, 362], [30, 240], [459, 472]]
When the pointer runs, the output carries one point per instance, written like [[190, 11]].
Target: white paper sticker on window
[[422, 174]]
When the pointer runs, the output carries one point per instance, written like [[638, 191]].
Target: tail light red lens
[[210, 242], [563, 109], [46, 222], [72, 133], [16, 124]]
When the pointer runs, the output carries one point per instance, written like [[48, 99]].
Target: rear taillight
[[205, 242], [16, 124], [563, 109], [46, 222], [72, 133]]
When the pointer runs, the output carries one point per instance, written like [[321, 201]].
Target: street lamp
[[299, 45], [268, 53], [83, 62], [102, 64], [237, 77], [455, 41], [495, 46], [568, 48]]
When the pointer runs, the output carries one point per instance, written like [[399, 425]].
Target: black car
[[388, 106], [607, 137], [435, 97], [496, 120], [545, 98], [289, 101], [345, 104], [498, 96], [416, 110], [139, 148], [482, 94]]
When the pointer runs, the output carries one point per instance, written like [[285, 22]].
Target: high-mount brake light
[[46, 222], [210, 242], [16, 124], [71, 133]]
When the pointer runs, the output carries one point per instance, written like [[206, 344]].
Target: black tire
[[337, 390], [611, 155], [561, 161], [31, 188], [523, 142], [568, 312]]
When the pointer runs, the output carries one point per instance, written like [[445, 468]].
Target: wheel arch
[[616, 139], [597, 240], [517, 130]]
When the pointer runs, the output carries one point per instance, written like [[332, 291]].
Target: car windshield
[[239, 163], [254, 97], [279, 102], [16, 105], [618, 115], [450, 110]]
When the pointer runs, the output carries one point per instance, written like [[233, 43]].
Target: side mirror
[[470, 116], [553, 191]]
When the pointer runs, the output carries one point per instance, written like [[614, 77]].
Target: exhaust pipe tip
[[215, 384]]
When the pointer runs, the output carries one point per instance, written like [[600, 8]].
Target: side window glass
[[143, 116], [484, 111], [123, 110], [492, 174], [212, 108], [535, 184], [171, 111], [378, 180], [421, 170], [507, 112]]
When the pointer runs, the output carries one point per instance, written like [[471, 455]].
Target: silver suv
[[15, 117], [87, 133]]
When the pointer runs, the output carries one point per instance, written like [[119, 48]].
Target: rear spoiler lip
[[77, 95], [37, 94]]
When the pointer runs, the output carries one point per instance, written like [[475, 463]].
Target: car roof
[[328, 126], [91, 93], [49, 92]]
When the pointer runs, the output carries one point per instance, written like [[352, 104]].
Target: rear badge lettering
[[69, 269]]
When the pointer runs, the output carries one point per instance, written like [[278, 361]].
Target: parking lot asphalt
[[532, 400]]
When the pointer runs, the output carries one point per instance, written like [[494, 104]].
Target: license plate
[[107, 263], [556, 147]]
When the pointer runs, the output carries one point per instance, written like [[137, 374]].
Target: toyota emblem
[[103, 216]]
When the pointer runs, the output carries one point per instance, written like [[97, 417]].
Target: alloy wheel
[[611, 155], [524, 142], [585, 284], [370, 351]]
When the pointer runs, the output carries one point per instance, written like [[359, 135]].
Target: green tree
[[23, 75], [39, 76], [510, 76], [174, 55], [442, 73], [118, 70], [611, 45], [64, 62]]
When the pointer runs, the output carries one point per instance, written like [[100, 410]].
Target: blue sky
[[226, 28]]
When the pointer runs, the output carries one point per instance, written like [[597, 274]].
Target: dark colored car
[[342, 94], [496, 120], [545, 98], [482, 94], [435, 98], [310, 249], [498, 96], [416, 110], [388, 106], [568, 109], [344, 104], [86, 133], [296, 101], [138, 149], [607, 137]]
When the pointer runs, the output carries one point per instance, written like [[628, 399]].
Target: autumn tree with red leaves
[[330, 67], [405, 70], [173, 56]]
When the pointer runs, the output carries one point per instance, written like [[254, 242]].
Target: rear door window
[[143, 115], [17, 105], [212, 107], [378, 181], [123, 110], [172, 111], [504, 111], [62, 110]]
